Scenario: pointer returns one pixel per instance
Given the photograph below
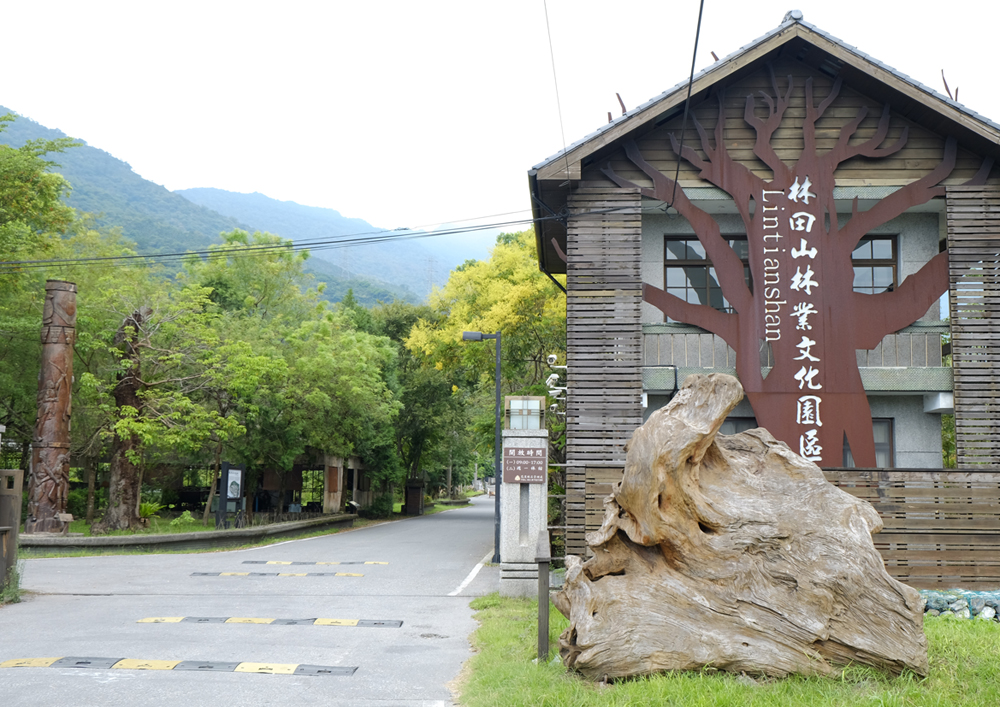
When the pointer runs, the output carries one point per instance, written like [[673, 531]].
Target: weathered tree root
[[732, 552]]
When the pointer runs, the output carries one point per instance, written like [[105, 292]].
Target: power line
[[346, 241], [311, 245], [555, 82], [687, 103]]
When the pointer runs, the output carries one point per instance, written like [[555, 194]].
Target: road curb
[[207, 539]]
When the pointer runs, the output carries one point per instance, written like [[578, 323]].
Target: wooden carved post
[[49, 481]]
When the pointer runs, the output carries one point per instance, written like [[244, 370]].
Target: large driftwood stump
[[732, 552]]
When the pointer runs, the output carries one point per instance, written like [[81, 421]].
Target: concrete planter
[[202, 540]]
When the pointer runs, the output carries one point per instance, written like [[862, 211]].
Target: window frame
[[890, 446], [682, 264], [890, 262], [704, 262]]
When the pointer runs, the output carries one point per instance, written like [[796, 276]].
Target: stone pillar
[[49, 481], [524, 510]]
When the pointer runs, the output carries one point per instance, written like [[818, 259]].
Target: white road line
[[472, 575]]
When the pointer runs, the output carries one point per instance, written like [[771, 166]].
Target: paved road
[[89, 607]]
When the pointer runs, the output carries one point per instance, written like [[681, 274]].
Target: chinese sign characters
[[804, 287], [525, 465]]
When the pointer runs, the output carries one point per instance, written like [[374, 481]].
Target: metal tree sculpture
[[803, 301]]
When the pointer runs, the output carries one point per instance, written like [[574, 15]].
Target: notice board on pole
[[234, 483]]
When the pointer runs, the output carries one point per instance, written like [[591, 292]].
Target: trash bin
[[414, 500]]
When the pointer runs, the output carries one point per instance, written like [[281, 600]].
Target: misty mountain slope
[[161, 221], [151, 215], [406, 262]]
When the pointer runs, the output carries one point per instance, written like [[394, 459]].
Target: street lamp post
[[497, 449]]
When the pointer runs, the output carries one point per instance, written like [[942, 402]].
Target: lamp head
[[472, 336]]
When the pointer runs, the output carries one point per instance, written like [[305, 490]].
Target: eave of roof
[[571, 157]]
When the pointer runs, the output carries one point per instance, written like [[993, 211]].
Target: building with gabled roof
[[797, 229]]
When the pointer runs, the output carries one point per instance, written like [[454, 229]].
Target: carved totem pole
[[49, 479]]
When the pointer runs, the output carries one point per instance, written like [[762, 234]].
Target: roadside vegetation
[[964, 671], [235, 355]]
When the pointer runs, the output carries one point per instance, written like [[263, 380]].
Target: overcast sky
[[411, 113]]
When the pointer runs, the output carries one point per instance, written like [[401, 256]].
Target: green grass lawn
[[157, 526], [964, 660]]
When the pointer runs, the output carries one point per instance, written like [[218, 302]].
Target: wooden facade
[[941, 528], [974, 271], [603, 349]]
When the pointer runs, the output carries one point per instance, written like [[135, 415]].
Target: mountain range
[[161, 221]]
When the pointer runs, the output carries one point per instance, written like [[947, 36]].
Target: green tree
[[506, 293], [432, 408], [162, 352], [298, 376], [32, 212]]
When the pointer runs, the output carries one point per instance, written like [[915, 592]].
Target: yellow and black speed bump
[[361, 623], [275, 562], [226, 667], [276, 574]]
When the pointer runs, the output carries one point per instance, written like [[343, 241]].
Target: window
[[883, 445], [691, 276], [312, 486], [875, 264]]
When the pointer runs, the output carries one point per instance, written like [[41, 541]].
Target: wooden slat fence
[[941, 527], [974, 302], [603, 347]]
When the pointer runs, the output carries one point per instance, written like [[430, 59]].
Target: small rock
[[977, 604], [963, 614], [958, 605], [988, 612], [937, 602], [933, 612]]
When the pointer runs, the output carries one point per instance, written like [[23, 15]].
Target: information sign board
[[525, 465]]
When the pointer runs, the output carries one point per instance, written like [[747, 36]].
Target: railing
[[916, 346]]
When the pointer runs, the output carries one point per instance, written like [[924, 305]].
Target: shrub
[[381, 507], [149, 509], [76, 503], [184, 518]]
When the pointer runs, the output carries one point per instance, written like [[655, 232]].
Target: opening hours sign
[[525, 465]]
